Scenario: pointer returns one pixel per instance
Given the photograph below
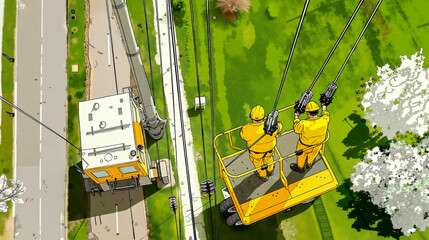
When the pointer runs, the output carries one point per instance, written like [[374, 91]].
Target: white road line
[[108, 49], [117, 229], [41, 119], [40, 217], [40, 172], [61, 226], [41, 21]]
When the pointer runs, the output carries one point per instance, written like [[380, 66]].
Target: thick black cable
[[169, 23], [298, 30], [357, 41], [201, 111], [165, 114], [111, 46], [164, 101], [34, 119], [291, 52], [336, 44], [172, 29], [211, 111]]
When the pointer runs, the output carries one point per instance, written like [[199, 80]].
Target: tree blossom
[[399, 100], [397, 180]]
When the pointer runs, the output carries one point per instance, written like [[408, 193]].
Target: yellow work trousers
[[308, 155], [258, 160]]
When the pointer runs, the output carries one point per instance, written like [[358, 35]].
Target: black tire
[[234, 220], [227, 206], [289, 209], [310, 200]]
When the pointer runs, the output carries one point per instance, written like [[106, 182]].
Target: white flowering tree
[[399, 100], [10, 191], [398, 181]]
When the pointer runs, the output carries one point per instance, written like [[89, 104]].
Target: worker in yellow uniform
[[311, 133], [262, 152]]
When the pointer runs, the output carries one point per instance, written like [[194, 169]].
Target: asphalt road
[[101, 54], [121, 215], [40, 89]]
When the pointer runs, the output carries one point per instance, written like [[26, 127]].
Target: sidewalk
[[169, 94]]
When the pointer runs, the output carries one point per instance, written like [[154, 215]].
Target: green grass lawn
[[6, 146], [249, 57], [77, 199]]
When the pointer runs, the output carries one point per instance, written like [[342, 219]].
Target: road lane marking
[[40, 217], [41, 20], [117, 229], [108, 49], [62, 225]]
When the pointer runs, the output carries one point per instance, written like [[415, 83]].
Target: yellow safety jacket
[[313, 130], [253, 131]]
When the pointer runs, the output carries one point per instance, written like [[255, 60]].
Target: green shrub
[[273, 10]]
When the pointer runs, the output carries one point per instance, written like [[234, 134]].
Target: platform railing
[[223, 168]]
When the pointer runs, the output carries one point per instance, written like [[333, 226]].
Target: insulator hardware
[[327, 96], [303, 101], [207, 187], [173, 203], [271, 123]]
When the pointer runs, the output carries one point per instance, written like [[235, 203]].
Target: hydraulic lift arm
[[151, 122]]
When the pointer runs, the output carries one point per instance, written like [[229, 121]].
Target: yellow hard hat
[[312, 106], [257, 113]]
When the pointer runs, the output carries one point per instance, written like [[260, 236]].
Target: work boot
[[309, 166], [271, 173], [259, 176], [295, 168]]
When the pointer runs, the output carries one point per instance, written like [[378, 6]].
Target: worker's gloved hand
[[327, 96], [303, 101], [325, 100], [271, 123]]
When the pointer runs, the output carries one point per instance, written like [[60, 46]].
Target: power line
[[34, 119], [201, 111], [298, 30], [291, 52], [169, 23], [211, 110], [164, 101], [336, 44], [357, 41], [172, 29]]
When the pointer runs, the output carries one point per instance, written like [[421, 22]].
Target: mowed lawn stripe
[[247, 74]]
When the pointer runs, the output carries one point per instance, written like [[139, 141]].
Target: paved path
[[196, 196], [40, 89], [129, 218], [103, 78], [119, 216]]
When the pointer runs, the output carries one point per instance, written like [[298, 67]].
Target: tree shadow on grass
[[367, 216], [360, 138]]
